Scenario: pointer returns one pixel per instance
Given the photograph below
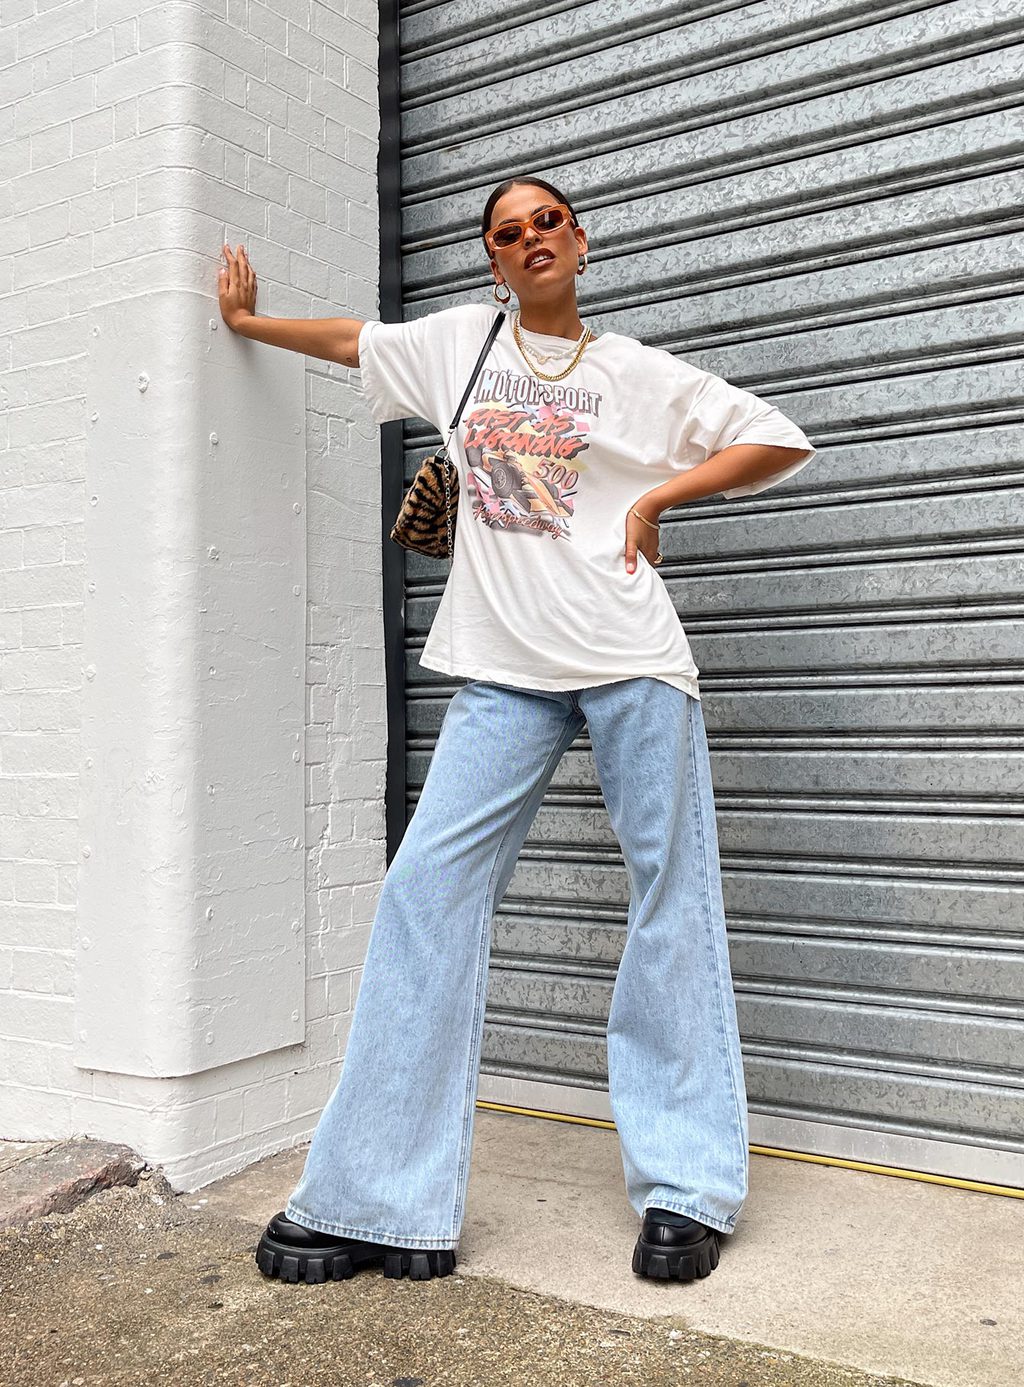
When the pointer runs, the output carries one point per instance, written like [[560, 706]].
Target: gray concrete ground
[[883, 1274], [834, 1279], [138, 1287]]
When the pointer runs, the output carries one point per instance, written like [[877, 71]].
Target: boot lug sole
[[663, 1262], [314, 1266]]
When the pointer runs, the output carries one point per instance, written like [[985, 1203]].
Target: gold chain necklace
[[580, 348]]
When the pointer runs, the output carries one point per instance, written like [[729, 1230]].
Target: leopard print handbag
[[427, 515]]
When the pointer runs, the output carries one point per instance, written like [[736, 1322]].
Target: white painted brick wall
[[133, 142]]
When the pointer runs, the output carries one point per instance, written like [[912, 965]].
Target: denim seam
[[345, 1230], [721, 1225], [557, 751], [714, 944]]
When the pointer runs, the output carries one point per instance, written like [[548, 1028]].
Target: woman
[[571, 447]]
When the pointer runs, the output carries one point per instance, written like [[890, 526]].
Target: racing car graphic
[[517, 482]]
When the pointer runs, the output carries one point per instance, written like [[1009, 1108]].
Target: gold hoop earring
[[498, 299], [582, 268]]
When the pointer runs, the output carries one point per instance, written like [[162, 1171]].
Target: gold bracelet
[[653, 523]]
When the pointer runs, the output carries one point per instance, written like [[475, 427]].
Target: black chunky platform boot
[[671, 1245], [295, 1253]]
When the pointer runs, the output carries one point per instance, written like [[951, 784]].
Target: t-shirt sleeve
[[405, 369], [723, 414]]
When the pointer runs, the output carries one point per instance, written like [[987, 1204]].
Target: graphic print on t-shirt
[[523, 447]]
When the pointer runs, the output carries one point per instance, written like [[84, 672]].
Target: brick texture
[[133, 142]]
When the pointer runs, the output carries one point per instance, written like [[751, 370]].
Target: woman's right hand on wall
[[331, 339], [236, 286]]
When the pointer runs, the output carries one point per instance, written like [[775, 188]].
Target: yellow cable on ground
[[979, 1186]]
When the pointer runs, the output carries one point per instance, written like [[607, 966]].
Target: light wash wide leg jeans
[[389, 1160]]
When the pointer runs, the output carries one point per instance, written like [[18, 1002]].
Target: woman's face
[[549, 279]]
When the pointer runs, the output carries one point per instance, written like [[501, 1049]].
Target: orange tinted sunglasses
[[545, 221]]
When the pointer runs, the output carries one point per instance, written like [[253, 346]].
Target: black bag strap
[[495, 328]]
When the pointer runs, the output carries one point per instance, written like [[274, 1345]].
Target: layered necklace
[[581, 345]]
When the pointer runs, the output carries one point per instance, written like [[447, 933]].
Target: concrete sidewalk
[[137, 1288], [835, 1279], [887, 1275]]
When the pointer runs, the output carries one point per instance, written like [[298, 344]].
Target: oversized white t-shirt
[[538, 594]]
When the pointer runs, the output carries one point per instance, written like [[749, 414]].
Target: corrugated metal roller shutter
[[822, 203]]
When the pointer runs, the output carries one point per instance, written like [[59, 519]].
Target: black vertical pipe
[[389, 183]]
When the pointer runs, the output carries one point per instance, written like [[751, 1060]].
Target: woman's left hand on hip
[[640, 536]]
